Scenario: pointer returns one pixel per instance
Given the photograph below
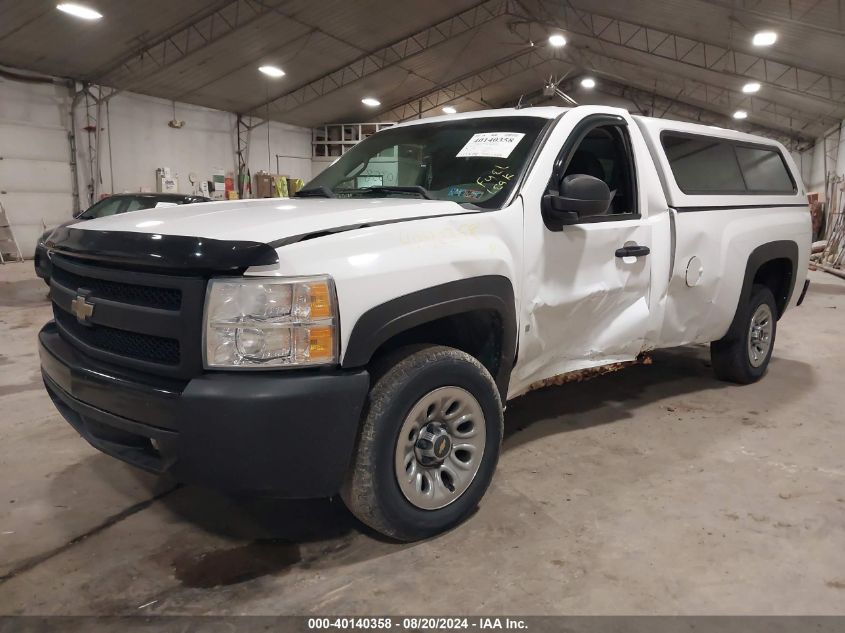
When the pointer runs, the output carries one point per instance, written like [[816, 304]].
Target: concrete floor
[[653, 490]]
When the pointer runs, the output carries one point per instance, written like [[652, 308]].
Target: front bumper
[[285, 434]]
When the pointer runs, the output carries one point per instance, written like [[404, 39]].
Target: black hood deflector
[[176, 253]]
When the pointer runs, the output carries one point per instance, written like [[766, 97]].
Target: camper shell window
[[710, 165]]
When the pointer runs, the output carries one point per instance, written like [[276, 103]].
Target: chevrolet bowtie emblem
[[82, 309]]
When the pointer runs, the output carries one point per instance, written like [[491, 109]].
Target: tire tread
[[390, 375], [729, 356]]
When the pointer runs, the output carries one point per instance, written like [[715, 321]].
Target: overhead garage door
[[35, 176]]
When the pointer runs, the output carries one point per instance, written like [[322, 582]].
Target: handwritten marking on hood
[[446, 235]]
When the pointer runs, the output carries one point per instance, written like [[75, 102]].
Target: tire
[[734, 358], [419, 380]]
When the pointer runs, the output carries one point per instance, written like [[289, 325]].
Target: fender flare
[[781, 249], [382, 322]]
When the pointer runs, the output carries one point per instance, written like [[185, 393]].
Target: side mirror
[[579, 196]]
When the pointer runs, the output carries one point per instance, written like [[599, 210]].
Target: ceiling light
[[79, 11], [764, 38], [557, 40], [740, 114], [588, 82], [370, 101], [449, 110], [751, 87], [272, 71]]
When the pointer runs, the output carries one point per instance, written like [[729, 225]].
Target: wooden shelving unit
[[334, 139]]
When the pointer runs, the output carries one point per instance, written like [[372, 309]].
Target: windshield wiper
[[315, 192], [420, 191]]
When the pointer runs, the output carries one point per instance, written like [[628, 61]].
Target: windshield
[[123, 204], [468, 161]]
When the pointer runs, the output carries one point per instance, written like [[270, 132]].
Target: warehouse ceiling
[[686, 59]]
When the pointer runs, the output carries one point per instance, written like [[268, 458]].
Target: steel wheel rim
[[760, 335], [452, 411]]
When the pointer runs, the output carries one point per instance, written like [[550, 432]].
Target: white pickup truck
[[363, 338]]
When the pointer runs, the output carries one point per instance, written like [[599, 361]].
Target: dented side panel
[[583, 307]]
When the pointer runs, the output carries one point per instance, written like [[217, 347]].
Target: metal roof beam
[[385, 57], [671, 102], [668, 107], [467, 84], [652, 104], [699, 54], [673, 107], [788, 13], [719, 98], [207, 29]]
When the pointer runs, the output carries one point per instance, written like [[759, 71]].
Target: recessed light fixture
[[79, 11], [272, 71], [751, 87], [588, 82], [764, 38], [557, 40], [449, 110], [740, 114], [370, 101]]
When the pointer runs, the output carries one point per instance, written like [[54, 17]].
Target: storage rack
[[334, 139]]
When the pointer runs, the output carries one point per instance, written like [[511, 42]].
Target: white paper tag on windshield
[[490, 145]]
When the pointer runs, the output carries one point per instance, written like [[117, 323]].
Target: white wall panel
[[41, 105], [135, 139], [31, 142], [35, 177], [293, 144], [141, 140], [31, 208]]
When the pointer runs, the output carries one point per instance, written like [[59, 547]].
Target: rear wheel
[[429, 443], [744, 357]]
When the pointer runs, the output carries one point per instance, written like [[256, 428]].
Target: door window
[[605, 153]]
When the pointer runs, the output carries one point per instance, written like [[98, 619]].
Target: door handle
[[633, 251]]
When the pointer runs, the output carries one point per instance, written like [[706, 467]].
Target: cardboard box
[[264, 185], [167, 185]]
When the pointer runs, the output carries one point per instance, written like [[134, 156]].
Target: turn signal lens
[[321, 306], [321, 343]]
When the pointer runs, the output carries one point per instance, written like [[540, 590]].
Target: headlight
[[270, 322]]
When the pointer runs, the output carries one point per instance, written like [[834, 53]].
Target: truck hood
[[274, 221]]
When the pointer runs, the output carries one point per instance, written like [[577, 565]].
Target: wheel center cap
[[433, 445]]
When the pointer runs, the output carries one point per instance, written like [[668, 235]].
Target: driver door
[[585, 301]]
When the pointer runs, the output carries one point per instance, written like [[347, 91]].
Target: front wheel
[[745, 357], [429, 443]]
